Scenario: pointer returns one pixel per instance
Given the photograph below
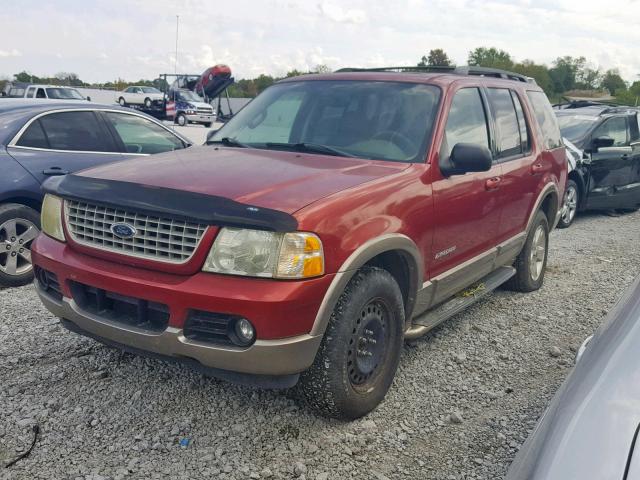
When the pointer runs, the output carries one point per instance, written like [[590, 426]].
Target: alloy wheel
[[538, 253], [16, 236], [570, 205]]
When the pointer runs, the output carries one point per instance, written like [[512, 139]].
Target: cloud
[[10, 53], [338, 14]]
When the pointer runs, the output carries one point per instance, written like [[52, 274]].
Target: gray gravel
[[465, 397]]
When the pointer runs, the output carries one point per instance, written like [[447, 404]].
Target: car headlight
[[258, 253], [51, 217]]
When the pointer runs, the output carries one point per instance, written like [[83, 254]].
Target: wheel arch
[[22, 200], [549, 203], [395, 253]]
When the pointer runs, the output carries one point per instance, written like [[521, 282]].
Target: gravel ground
[[463, 401]]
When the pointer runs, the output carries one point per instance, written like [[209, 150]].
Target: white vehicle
[[139, 95], [53, 92]]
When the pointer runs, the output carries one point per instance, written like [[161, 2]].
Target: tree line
[[565, 74]]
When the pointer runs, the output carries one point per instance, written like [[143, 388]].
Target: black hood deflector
[[178, 204]]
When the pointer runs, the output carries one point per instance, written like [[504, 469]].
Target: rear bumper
[[283, 313]]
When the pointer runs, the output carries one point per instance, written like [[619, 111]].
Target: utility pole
[[175, 65]]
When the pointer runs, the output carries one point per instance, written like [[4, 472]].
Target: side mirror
[[210, 135], [467, 157], [601, 142]]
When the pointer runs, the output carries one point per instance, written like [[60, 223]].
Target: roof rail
[[466, 70]]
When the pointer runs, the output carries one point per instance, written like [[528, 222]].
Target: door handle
[[52, 171], [537, 168], [492, 183]]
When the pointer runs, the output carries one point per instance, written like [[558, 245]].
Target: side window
[[615, 128], [41, 93], [30, 92], [509, 143], [140, 135], [33, 137], [546, 119], [76, 131], [467, 121], [522, 123]]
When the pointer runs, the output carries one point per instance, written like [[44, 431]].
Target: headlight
[[257, 253], [51, 217]]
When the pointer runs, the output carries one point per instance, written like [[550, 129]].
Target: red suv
[[332, 218]]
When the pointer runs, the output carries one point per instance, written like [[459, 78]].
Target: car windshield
[[64, 93], [575, 127], [188, 96], [150, 90], [365, 119]]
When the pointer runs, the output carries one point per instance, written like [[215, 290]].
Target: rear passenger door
[[614, 177], [466, 207], [520, 179], [63, 142]]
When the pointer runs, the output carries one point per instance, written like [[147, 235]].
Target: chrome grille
[[156, 238], [205, 110]]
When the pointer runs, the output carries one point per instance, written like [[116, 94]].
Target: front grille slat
[[157, 238]]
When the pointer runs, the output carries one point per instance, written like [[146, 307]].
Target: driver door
[[614, 175]]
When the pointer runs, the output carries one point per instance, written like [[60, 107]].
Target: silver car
[[590, 429]]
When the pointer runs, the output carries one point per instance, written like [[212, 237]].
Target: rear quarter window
[[546, 119]]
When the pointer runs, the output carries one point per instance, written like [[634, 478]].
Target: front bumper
[[200, 118], [282, 312]]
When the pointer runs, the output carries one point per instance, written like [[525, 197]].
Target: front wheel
[[19, 226], [360, 351], [207, 125], [569, 205], [531, 263], [181, 120], [147, 102], [122, 102]]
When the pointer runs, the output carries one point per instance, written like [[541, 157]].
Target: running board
[[432, 318]]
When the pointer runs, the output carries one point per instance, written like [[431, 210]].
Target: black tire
[[208, 125], [181, 120], [570, 204], [21, 217], [360, 351], [122, 102], [526, 265], [147, 102]]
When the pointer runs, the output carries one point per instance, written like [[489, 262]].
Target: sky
[[102, 40]]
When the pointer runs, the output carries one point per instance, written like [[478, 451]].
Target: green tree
[[490, 57], [540, 73], [436, 58], [25, 77], [612, 81], [565, 72]]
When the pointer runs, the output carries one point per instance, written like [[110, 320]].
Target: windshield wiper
[[228, 142], [311, 148]]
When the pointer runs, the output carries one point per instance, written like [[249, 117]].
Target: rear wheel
[[122, 102], [359, 354], [569, 205], [531, 263], [207, 125], [19, 226]]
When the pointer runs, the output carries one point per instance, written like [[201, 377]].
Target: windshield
[[575, 127], [188, 96], [375, 120], [150, 90], [64, 93]]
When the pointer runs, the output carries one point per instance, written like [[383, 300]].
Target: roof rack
[[607, 107], [466, 70]]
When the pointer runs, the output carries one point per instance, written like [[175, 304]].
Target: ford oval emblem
[[123, 230]]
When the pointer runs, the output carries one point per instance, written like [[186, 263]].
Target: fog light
[[245, 333]]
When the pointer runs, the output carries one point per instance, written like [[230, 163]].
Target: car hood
[[285, 181], [201, 105]]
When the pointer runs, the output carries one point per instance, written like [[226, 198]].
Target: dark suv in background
[[604, 146]]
